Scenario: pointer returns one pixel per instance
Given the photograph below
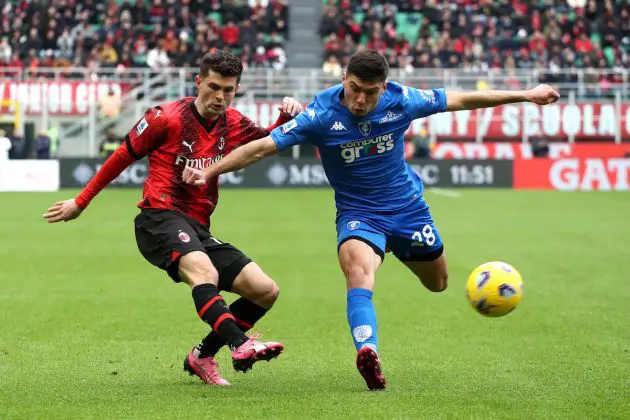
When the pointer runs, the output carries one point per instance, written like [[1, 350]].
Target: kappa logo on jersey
[[390, 117], [338, 126], [142, 125], [354, 150], [189, 145], [286, 127], [365, 127], [221, 143]]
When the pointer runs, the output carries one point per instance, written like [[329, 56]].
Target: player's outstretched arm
[[240, 158], [540, 95], [63, 211], [71, 209]]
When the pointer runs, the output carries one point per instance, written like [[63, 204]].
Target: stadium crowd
[[157, 34], [478, 35]]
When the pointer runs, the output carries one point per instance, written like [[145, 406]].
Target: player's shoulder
[[324, 104], [233, 114], [396, 92], [169, 111]]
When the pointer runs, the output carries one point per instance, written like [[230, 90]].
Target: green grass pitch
[[88, 329]]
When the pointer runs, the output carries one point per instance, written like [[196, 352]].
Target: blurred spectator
[[5, 145], [332, 66], [422, 145], [110, 144], [17, 146], [540, 147], [117, 34], [490, 34], [42, 145], [110, 105]]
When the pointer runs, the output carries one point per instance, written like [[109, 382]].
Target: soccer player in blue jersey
[[358, 127]]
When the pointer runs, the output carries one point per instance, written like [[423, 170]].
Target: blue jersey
[[363, 157]]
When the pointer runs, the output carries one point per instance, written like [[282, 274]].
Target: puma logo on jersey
[[189, 145], [158, 113]]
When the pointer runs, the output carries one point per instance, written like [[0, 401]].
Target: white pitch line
[[446, 193]]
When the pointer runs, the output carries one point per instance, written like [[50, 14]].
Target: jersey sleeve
[[250, 131], [302, 129], [148, 134], [422, 103]]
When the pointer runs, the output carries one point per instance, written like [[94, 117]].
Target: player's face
[[361, 97], [215, 94]]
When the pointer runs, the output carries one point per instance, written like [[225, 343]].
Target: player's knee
[[195, 268], [357, 275], [269, 296]]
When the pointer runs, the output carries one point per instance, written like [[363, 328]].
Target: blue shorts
[[411, 233]]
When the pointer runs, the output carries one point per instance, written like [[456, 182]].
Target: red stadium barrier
[[503, 150], [60, 98], [585, 121], [576, 174]]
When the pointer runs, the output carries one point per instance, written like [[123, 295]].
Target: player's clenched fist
[[194, 176], [63, 211], [543, 95], [290, 107]]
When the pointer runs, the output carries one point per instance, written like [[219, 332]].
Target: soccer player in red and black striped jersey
[[173, 227]]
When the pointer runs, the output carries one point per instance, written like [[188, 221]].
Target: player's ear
[[238, 85], [197, 81], [343, 76]]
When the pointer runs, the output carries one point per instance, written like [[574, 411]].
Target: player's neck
[[201, 111]]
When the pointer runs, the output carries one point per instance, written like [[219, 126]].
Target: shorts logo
[[365, 127], [362, 333], [353, 224], [183, 236], [142, 125]]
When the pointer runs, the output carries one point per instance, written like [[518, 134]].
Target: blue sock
[[362, 318]]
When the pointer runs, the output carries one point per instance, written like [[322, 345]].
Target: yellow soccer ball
[[494, 289]]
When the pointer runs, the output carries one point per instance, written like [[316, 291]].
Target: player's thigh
[[418, 244], [433, 274], [255, 285], [361, 250], [172, 243], [230, 263]]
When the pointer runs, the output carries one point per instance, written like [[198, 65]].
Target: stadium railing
[[607, 91]]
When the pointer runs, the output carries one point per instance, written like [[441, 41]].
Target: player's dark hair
[[223, 63], [368, 65]]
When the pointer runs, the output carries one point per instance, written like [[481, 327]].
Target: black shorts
[[164, 236]]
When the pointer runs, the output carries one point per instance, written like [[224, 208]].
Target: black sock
[[247, 313], [212, 309]]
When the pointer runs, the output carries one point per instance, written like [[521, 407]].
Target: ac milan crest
[[221, 143], [183, 236]]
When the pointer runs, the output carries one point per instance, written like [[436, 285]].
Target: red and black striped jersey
[[173, 135]]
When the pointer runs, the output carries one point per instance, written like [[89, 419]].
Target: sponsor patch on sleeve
[[286, 127], [142, 125]]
